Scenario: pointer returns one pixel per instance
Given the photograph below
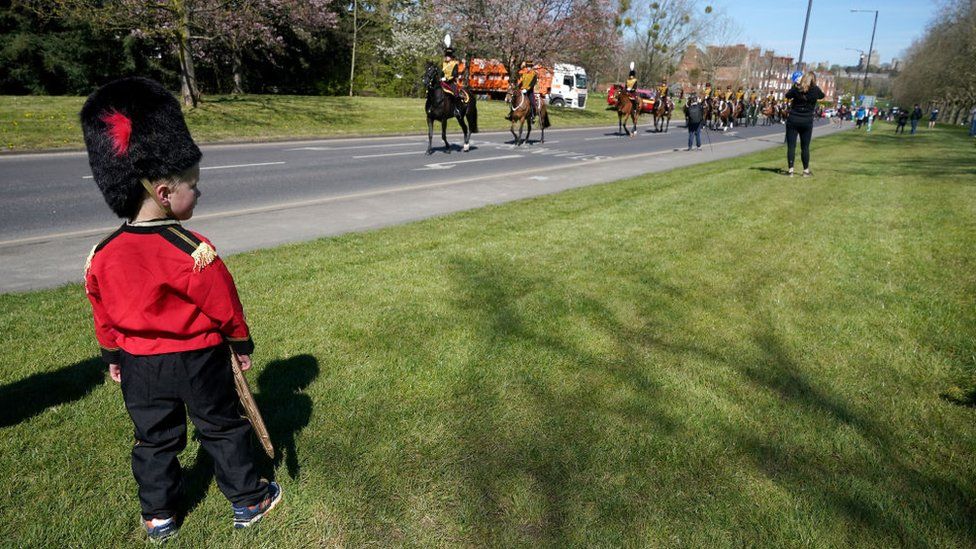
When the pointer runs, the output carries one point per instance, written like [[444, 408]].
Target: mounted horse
[[768, 112], [663, 108], [626, 107], [442, 105], [723, 115], [521, 115]]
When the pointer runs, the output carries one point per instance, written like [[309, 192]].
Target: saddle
[[457, 91]]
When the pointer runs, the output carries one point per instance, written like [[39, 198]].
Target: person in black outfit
[[693, 119], [804, 96], [902, 120]]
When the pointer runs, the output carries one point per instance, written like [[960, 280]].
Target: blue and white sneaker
[[160, 530], [246, 515]]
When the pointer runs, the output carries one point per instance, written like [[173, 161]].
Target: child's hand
[[115, 372], [245, 361]]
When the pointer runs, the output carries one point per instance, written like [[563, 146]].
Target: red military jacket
[[157, 288]]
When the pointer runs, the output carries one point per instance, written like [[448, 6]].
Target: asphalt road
[[50, 197]]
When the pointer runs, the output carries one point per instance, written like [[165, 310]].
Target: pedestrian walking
[[694, 116], [933, 116], [804, 96], [902, 120], [916, 116]]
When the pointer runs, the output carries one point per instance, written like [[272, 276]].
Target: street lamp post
[[867, 64], [803, 43]]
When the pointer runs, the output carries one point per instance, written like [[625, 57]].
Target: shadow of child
[[286, 410]]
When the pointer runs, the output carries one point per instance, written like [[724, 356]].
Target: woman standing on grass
[[804, 96]]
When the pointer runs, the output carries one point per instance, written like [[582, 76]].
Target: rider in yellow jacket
[[527, 84]]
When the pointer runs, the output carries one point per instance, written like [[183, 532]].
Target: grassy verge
[[716, 356], [28, 123]]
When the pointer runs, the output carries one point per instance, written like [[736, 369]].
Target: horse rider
[[527, 84], [753, 96], [739, 95], [707, 94], [662, 91], [449, 80]]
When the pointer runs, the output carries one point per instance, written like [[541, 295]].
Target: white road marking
[[418, 153], [539, 177], [412, 144], [450, 164], [222, 167], [605, 137]]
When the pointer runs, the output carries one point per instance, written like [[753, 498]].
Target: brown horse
[[663, 108], [521, 115], [627, 107], [768, 111]]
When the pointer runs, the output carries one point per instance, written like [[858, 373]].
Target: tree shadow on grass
[[24, 399], [560, 457], [875, 485]]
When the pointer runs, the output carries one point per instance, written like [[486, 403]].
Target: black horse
[[440, 106]]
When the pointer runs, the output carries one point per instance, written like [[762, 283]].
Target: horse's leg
[[467, 134], [620, 123], [447, 146], [518, 140], [511, 128], [430, 135], [529, 131]]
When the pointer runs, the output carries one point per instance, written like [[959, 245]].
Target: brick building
[[740, 65]]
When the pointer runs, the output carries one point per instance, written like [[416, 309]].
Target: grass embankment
[[29, 122], [715, 356]]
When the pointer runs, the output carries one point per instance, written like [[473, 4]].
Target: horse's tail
[[472, 115], [545, 119]]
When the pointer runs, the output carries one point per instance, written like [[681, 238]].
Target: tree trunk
[[188, 79], [235, 67]]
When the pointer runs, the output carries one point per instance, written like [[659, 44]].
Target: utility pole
[[867, 63], [355, 30]]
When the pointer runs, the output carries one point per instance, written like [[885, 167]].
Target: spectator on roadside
[[870, 118], [859, 116], [693, 120], [902, 120], [933, 116], [972, 122], [916, 116], [804, 96]]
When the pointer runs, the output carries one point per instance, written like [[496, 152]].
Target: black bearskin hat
[[134, 130], [448, 52], [632, 73]]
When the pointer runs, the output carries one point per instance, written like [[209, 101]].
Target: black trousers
[[805, 131], [158, 390]]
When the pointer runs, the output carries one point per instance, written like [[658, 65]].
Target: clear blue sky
[[778, 24]]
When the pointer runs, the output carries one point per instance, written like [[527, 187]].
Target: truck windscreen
[[581, 81]]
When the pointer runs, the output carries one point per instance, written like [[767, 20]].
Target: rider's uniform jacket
[[450, 69], [728, 95], [528, 81], [708, 92], [631, 84], [753, 97], [739, 95], [662, 90]]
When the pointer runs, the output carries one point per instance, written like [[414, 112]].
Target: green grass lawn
[[714, 356], [46, 122]]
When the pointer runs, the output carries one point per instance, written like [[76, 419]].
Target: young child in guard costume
[[167, 314]]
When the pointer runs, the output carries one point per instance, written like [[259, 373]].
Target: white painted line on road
[[418, 153], [604, 137], [222, 167], [412, 144], [241, 165], [450, 164], [538, 178]]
